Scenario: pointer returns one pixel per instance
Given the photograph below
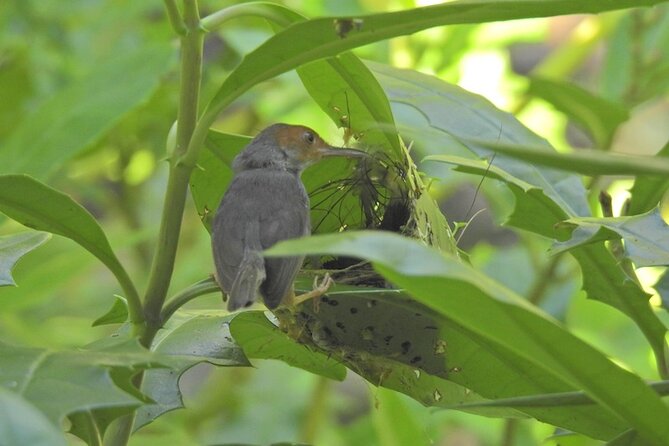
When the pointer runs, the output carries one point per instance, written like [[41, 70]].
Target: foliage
[[498, 335]]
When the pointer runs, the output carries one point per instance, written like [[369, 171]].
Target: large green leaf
[[646, 236], [40, 207], [76, 117], [60, 383], [533, 211], [347, 91], [260, 339], [188, 338], [443, 118], [328, 36], [13, 247], [597, 115], [214, 172], [603, 277], [584, 161], [501, 319], [21, 423]]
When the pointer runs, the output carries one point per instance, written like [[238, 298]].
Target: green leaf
[[534, 210], [40, 207], [648, 191], [214, 172], [77, 116], [315, 39], [603, 277], [499, 318], [117, 314], [347, 91], [59, 383], [188, 338], [21, 423], [584, 161], [260, 339], [646, 236], [443, 118], [597, 115], [13, 247]]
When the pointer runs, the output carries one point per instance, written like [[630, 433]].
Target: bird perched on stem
[[265, 203]]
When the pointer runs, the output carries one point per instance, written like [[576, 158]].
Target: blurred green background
[[48, 46]]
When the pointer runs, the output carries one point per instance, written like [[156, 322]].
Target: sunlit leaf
[[13, 247], [328, 36]]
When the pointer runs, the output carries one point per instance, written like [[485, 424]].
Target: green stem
[[198, 289], [315, 413], [175, 18], [175, 196], [278, 14]]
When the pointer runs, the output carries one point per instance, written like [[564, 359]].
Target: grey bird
[[265, 203]]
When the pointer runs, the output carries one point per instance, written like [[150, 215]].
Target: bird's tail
[[251, 272]]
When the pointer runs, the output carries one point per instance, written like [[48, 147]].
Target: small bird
[[265, 203]]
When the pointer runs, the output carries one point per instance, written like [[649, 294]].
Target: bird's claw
[[319, 288]]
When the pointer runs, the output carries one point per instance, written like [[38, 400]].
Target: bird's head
[[289, 147]]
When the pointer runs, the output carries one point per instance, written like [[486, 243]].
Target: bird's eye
[[309, 137]]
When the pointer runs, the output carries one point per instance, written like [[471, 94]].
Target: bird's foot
[[319, 288]]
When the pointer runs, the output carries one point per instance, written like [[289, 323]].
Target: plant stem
[[200, 288], [175, 196], [316, 411], [278, 14]]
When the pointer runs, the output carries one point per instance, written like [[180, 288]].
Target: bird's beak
[[342, 151]]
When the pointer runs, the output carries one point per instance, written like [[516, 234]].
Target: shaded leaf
[[533, 211], [347, 91], [13, 247], [260, 339], [21, 423], [600, 117], [77, 116], [40, 207], [214, 172], [443, 118], [59, 383], [648, 190], [500, 318], [188, 338], [646, 236], [583, 161], [117, 314]]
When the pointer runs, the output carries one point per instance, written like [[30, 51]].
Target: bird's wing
[[278, 203], [287, 218]]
